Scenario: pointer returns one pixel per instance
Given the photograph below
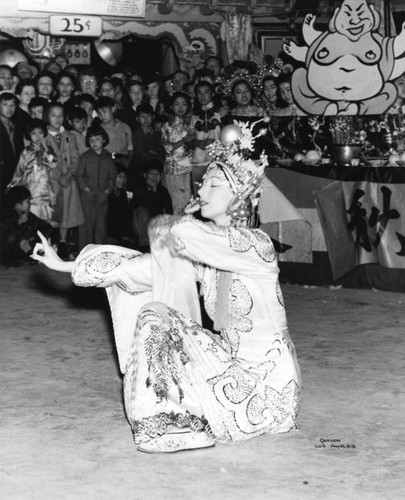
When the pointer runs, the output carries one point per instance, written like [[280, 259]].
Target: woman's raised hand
[[44, 253]]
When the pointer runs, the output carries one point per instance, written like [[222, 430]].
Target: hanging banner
[[365, 222], [120, 8]]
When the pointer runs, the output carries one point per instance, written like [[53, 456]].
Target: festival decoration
[[348, 68], [41, 48]]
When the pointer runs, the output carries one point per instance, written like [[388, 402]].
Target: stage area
[[63, 430]]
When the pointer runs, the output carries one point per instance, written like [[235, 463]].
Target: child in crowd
[[97, 175], [78, 122], [19, 228], [62, 143], [36, 107], [11, 139], [87, 102], [119, 134], [119, 230], [206, 122], [147, 145], [35, 171], [177, 166], [150, 199]]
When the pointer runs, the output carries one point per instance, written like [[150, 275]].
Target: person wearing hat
[[26, 70]]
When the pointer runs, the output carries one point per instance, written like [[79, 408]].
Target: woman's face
[[27, 93], [107, 90], [270, 90], [285, 93], [55, 118], [88, 84], [242, 94], [65, 87], [215, 196], [153, 90], [136, 95]]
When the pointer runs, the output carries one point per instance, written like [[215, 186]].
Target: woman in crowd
[[243, 108], [25, 91], [269, 95], [65, 84]]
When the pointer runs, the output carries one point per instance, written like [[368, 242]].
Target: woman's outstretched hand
[[44, 253]]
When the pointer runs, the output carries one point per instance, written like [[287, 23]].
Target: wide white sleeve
[[127, 277], [106, 265], [239, 250]]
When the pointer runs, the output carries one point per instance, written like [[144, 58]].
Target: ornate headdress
[[226, 85], [232, 154]]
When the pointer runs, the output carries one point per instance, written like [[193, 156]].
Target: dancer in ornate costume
[[186, 387]]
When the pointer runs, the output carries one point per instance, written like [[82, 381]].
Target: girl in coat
[[35, 171], [62, 143], [97, 174]]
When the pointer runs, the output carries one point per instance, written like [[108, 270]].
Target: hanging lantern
[[110, 52]]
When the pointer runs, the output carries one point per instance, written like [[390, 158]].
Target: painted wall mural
[[349, 68]]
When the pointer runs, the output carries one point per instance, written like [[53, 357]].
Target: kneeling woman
[[186, 387]]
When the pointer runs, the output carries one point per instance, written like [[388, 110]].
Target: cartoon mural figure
[[349, 68]]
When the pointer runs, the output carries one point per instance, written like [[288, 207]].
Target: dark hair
[[104, 102], [241, 80], [204, 83], [8, 96], [77, 113], [131, 83], [50, 106], [65, 74], [34, 123], [89, 71], [153, 164], [85, 98], [144, 108], [176, 95], [95, 132], [37, 101], [17, 194], [48, 74], [26, 82]]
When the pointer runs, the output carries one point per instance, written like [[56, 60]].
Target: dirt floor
[[63, 432]]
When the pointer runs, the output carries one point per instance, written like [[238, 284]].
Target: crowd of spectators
[[99, 155]]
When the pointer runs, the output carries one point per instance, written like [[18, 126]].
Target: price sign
[[87, 26]]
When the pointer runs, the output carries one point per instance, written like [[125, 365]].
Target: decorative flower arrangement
[[345, 132]]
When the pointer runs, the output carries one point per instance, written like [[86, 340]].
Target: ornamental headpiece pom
[[232, 154]]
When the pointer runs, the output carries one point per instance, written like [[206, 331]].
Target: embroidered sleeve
[[129, 271]]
